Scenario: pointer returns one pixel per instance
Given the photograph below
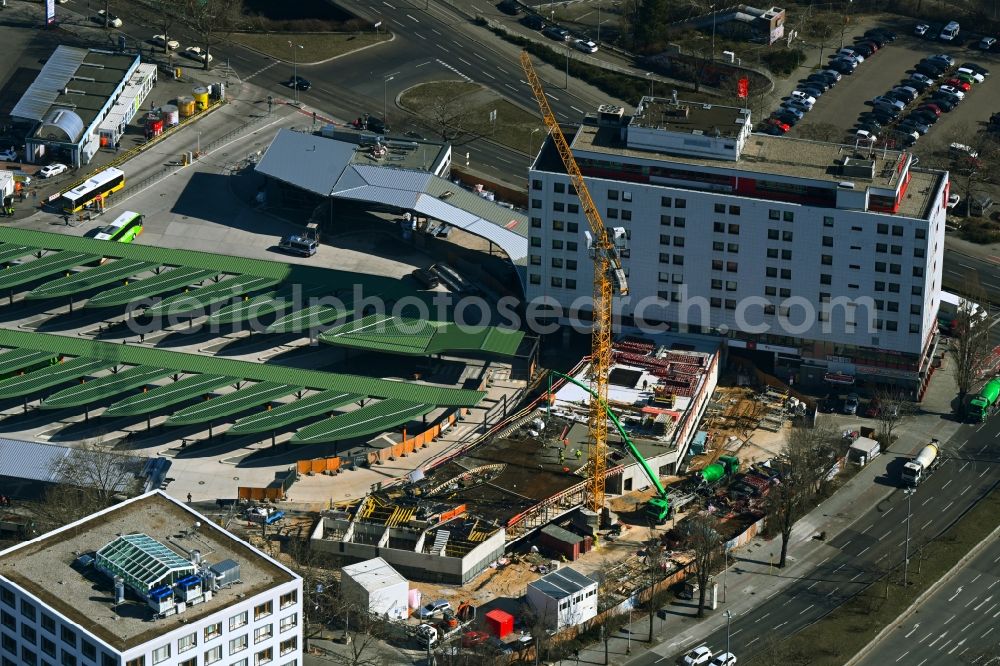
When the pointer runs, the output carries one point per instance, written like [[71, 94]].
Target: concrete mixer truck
[[917, 469], [985, 403]]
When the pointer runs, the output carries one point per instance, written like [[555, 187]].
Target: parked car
[[817, 80], [53, 169], [851, 403], [943, 57], [978, 69], [585, 45], [426, 278], [865, 50], [163, 40], [8, 155], [914, 125], [873, 128], [298, 245], [724, 659], [700, 656], [471, 639], [111, 21], [509, 7], [957, 84], [918, 85], [197, 53], [886, 110], [774, 122], [917, 76], [953, 91], [883, 33], [499, 645], [953, 200], [556, 33], [533, 21], [865, 135], [943, 101], [843, 66], [811, 89], [930, 70], [921, 30], [433, 608], [850, 53], [891, 101], [875, 35], [962, 149], [803, 97], [800, 104], [930, 107], [971, 73], [832, 75], [787, 116], [987, 43], [924, 117]]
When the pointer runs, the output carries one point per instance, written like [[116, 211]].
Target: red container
[[499, 623]]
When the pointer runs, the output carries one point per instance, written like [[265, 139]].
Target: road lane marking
[[967, 489], [957, 645], [949, 481], [833, 591], [442, 48], [984, 602], [943, 634], [419, 35], [387, 4], [860, 573], [864, 551], [962, 468], [511, 87], [490, 75], [948, 506], [978, 576], [808, 608], [781, 625], [987, 632], [888, 511], [465, 61], [761, 617], [912, 630], [550, 95], [903, 655], [924, 526], [885, 535], [480, 57], [926, 501], [735, 632], [815, 583], [476, 8], [581, 111], [436, 32], [957, 592], [984, 472], [967, 626], [839, 568], [413, 18], [753, 641], [971, 268]]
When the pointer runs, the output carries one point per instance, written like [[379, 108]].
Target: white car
[[975, 76], [963, 149], [865, 135], [986, 43], [585, 45], [921, 29], [795, 103], [112, 20], [803, 96], [850, 54], [953, 91], [53, 169], [697, 657], [8, 155], [197, 53], [724, 659], [161, 40], [953, 200]]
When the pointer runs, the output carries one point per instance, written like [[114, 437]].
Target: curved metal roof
[[231, 403], [292, 412], [103, 387], [63, 121], [167, 395], [370, 419]]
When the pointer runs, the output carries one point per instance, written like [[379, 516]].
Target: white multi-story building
[[564, 598], [822, 261], [147, 582]]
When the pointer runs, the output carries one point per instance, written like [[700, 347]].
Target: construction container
[[200, 97], [377, 587], [170, 114], [154, 125], [561, 542], [499, 623], [185, 105]]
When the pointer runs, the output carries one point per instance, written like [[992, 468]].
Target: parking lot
[[842, 104]]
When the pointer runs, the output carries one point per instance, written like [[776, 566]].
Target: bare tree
[[449, 117], [211, 19], [165, 19], [89, 479], [704, 539], [971, 347], [803, 466], [891, 409]]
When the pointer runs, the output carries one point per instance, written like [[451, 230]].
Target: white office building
[[147, 582], [564, 598], [821, 261]]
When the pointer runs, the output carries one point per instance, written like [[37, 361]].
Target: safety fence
[[274, 491]]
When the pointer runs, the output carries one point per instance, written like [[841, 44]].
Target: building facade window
[[161, 654], [185, 643], [287, 646], [288, 622], [263, 657], [238, 644], [213, 655], [261, 634], [237, 621]]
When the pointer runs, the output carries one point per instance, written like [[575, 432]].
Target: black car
[[533, 21], [298, 83], [944, 101], [817, 80], [886, 109], [785, 117], [875, 36], [905, 96], [919, 86], [426, 278], [975, 68], [885, 33], [509, 7], [924, 117], [869, 122], [864, 50], [811, 90], [773, 130], [556, 33], [373, 124], [929, 70], [842, 66]]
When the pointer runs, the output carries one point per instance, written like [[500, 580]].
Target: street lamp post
[[650, 75], [713, 32], [295, 70], [628, 641], [843, 28], [531, 143], [567, 66], [729, 623], [906, 554], [385, 99], [725, 570]]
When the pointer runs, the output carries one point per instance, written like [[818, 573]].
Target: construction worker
[[579, 454]]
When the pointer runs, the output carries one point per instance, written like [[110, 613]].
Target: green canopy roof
[[418, 337], [8, 252], [19, 359], [368, 420], [204, 297], [231, 403], [29, 271], [167, 395], [256, 306], [112, 271], [50, 376], [171, 280], [104, 387], [308, 318], [292, 412]]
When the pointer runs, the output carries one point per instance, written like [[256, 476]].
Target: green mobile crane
[[657, 508]]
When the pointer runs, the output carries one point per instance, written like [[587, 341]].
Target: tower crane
[[608, 275]]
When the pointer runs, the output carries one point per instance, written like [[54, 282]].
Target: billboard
[[50, 12]]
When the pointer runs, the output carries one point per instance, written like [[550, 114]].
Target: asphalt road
[[958, 623], [875, 540]]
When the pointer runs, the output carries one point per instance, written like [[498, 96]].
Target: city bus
[[125, 229], [95, 189]]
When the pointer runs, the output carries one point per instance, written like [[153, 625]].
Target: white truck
[[6, 184], [917, 469]]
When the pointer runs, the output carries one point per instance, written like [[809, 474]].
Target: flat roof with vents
[[43, 566]]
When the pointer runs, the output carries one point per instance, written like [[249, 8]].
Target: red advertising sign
[[743, 88]]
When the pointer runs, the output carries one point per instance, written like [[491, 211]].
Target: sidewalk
[[750, 577]]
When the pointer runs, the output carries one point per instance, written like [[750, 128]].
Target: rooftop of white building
[[45, 568]]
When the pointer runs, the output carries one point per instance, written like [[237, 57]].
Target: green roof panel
[[211, 294], [308, 318], [48, 377], [112, 271], [167, 395], [231, 403], [198, 364], [19, 359], [367, 420], [261, 305], [292, 412], [104, 387], [171, 280], [13, 251], [417, 337], [15, 276]]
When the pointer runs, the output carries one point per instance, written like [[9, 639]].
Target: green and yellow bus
[[95, 189], [125, 229]]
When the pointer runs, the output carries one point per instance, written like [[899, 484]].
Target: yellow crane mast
[[607, 268]]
